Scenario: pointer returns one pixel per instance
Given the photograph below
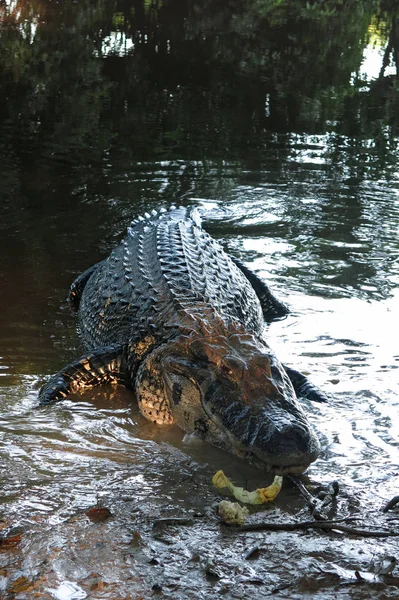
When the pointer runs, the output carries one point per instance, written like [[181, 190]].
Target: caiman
[[174, 317]]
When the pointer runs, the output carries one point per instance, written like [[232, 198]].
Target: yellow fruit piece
[[259, 496], [232, 513]]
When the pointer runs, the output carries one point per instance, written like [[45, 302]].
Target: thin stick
[[173, 521], [314, 505], [327, 525]]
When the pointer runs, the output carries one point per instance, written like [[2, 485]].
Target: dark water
[[262, 115]]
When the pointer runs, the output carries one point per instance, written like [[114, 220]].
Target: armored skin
[[172, 316]]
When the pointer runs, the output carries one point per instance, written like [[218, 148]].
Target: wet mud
[[113, 516], [133, 545]]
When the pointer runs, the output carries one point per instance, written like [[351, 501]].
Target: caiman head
[[233, 392]]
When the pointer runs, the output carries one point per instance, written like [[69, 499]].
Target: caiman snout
[[286, 447], [271, 438]]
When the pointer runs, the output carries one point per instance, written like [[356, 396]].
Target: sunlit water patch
[[373, 57]]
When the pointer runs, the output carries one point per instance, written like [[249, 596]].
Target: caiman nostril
[[291, 443]]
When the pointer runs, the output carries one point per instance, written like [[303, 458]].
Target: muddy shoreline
[[160, 547]]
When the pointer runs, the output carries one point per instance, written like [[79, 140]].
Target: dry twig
[[325, 525]]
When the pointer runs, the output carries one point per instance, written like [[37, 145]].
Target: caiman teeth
[[293, 469]]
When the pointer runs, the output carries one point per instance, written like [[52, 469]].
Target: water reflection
[[146, 81]]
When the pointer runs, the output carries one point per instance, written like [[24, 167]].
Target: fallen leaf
[[22, 584], [10, 542], [98, 586], [136, 539], [97, 514]]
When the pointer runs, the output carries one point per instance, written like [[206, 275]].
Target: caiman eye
[[227, 371], [233, 369]]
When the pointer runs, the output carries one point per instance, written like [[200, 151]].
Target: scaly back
[[167, 264]]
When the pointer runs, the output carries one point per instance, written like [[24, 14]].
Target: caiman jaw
[[292, 469], [269, 437]]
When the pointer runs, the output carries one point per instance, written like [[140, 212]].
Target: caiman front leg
[[104, 365], [303, 387]]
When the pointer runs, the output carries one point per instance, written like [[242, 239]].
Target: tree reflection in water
[[203, 81]]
